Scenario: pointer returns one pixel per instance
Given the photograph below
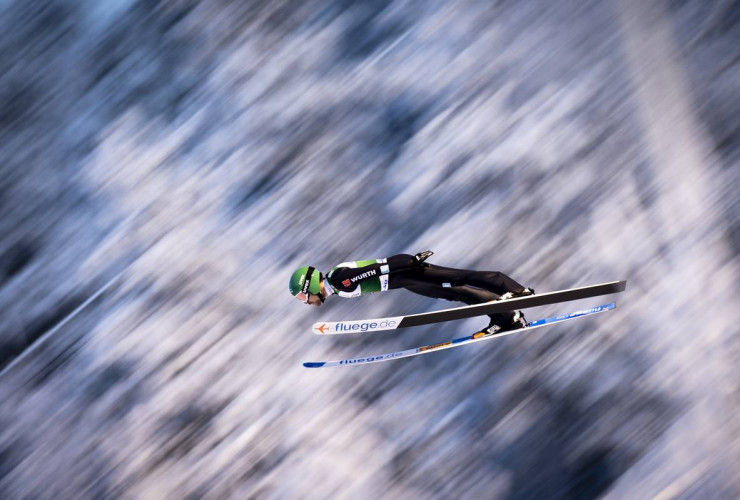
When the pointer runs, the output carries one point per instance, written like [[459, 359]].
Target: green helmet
[[305, 280]]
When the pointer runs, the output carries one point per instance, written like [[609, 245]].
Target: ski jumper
[[352, 279]]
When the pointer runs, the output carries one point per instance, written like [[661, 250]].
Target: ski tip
[[314, 364]]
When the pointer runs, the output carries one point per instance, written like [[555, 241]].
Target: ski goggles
[[303, 295]]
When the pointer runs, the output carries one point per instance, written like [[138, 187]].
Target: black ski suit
[[430, 280]]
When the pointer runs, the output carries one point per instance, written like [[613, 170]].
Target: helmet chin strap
[[321, 288]]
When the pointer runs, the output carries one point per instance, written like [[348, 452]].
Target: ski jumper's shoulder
[[355, 278]]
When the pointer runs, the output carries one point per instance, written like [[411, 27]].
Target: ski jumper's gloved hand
[[405, 262], [421, 257]]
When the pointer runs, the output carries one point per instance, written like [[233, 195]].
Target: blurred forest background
[[205, 149]]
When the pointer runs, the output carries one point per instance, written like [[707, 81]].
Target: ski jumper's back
[[353, 279], [360, 277]]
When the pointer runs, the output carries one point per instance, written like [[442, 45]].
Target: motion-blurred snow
[[206, 149]]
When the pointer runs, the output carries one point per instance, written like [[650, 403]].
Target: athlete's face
[[314, 300]]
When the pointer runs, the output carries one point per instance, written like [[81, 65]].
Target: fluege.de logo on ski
[[371, 359], [359, 360], [364, 327]]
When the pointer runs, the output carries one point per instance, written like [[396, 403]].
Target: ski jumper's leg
[[493, 281], [454, 284], [465, 294]]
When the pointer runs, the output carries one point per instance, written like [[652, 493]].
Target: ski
[[395, 322], [476, 337]]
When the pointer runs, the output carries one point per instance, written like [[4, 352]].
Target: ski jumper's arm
[[352, 279]]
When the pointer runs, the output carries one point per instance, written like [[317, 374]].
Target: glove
[[421, 257]]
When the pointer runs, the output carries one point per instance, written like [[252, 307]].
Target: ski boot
[[514, 295], [517, 321]]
